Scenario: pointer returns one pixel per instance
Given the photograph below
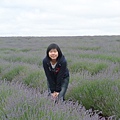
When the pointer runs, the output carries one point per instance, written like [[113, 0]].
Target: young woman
[[57, 73]]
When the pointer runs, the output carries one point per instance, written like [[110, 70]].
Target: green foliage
[[101, 56], [27, 104], [92, 68], [12, 73], [5, 93], [13, 58], [0, 69], [9, 49], [89, 58], [35, 79], [116, 69], [96, 68], [101, 94], [22, 58], [26, 50], [3, 67], [89, 48]]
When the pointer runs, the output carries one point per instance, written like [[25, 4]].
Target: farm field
[[94, 65]]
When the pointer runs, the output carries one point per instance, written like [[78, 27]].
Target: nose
[[53, 52]]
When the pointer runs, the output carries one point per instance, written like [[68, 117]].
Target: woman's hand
[[55, 94]]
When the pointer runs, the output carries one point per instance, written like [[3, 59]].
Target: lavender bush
[[18, 102], [98, 94]]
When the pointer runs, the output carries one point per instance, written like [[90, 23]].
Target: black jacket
[[55, 76]]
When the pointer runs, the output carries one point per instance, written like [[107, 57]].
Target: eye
[[53, 51]]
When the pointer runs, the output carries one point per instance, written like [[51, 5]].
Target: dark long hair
[[54, 46]]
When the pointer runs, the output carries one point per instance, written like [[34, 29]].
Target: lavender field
[[94, 89]]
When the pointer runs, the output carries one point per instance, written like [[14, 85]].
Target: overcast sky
[[59, 17]]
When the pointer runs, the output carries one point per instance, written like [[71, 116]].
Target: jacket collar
[[58, 62]]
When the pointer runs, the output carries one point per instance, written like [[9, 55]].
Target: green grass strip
[[101, 56]]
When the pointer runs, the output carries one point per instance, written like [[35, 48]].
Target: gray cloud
[[54, 18]]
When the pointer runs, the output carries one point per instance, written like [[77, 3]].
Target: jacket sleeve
[[48, 75], [61, 75]]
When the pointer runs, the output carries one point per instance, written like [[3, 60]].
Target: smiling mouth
[[53, 56]]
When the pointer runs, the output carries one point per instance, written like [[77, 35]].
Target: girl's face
[[53, 54]]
